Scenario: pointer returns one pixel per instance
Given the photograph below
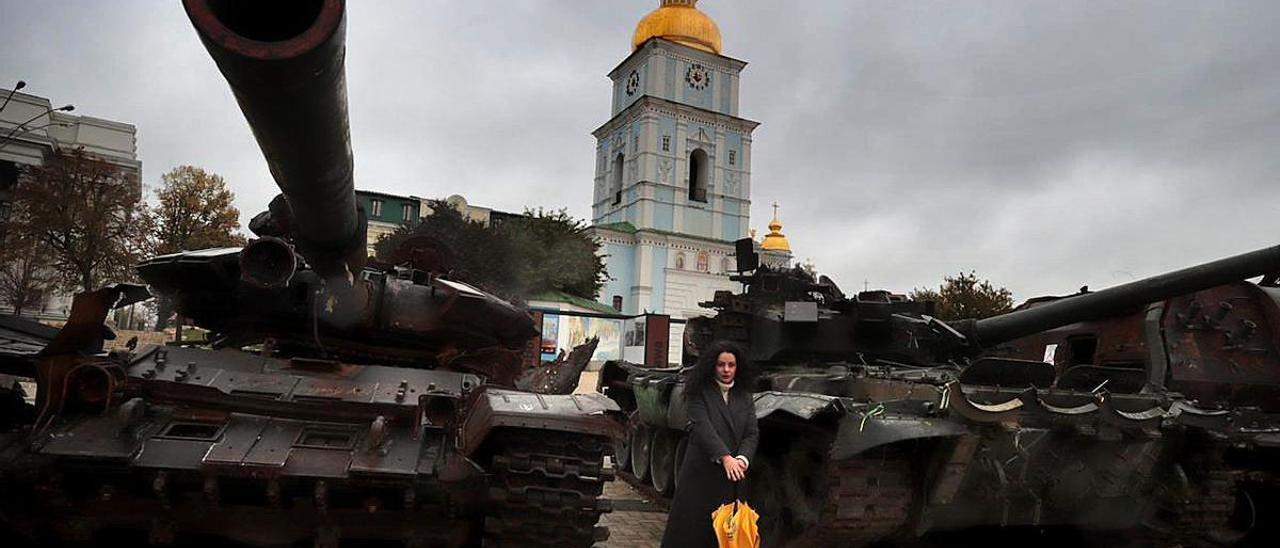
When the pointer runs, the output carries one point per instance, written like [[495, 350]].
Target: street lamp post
[[48, 111], [15, 89]]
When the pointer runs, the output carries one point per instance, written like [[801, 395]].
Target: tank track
[[868, 500], [1208, 509], [545, 490]]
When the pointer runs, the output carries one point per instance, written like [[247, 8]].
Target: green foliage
[[514, 257], [966, 296]]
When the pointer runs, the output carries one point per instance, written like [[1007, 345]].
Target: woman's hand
[[733, 468]]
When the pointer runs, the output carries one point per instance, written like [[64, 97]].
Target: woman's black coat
[[715, 430]]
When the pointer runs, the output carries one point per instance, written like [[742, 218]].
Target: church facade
[[672, 188]]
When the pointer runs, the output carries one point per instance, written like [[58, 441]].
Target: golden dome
[[679, 21], [775, 240]]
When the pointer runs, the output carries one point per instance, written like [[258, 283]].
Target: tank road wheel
[[622, 445], [681, 447], [662, 460], [544, 489], [640, 442]]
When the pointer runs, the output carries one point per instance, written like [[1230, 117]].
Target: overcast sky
[[1046, 145]]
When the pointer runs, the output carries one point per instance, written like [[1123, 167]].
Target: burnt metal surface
[[20, 340], [561, 375]]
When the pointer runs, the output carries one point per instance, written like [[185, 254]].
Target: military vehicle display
[[336, 403], [880, 422]]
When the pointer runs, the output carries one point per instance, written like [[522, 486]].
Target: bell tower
[[675, 156], [672, 186]]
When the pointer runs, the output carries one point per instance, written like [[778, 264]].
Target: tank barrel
[[285, 63], [1115, 300]]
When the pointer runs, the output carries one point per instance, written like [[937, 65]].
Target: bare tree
[[25, 276], [85, 214]]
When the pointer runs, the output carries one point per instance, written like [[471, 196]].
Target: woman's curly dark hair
[[703, 373]]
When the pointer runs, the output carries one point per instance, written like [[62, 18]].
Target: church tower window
[[733, 157], [616, 179], [699, 172], [666, 143]]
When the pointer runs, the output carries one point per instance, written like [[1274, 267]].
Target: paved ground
[[636, 521], [638, 518]]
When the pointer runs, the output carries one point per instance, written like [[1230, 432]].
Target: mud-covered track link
[[857, 502], [545, 489]]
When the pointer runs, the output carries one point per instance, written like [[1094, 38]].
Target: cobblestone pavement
[[636, 521]]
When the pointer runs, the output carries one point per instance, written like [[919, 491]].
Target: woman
[[722, 441]]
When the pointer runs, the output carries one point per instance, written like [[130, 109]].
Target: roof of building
[[562, 297], [775, 240], [679, 21]]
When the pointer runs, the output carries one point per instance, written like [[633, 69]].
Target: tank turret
[[286, 65], [787, 315], [303, 285], [1122, 298]]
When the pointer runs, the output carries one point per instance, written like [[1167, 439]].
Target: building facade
[[672, 189], [388, 212], [31, 131]]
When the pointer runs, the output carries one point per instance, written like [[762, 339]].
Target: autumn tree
[[86, 215], [966, 296], [194, 210], [515, 258]]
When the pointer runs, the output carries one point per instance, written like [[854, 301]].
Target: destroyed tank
[[336, 402], [1217, 347], [880, 422]]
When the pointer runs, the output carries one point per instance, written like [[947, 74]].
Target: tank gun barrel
[[1111, 301], [285, 63]]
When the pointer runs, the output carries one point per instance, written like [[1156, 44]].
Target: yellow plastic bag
[[736, 526]]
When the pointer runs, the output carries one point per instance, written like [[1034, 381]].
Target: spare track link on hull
[[868, 499], [545, 490]]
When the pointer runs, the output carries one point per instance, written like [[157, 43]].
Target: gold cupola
[[679, 21], [775, 240]]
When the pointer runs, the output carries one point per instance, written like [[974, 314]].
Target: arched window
[[699, 173], [616, 177]]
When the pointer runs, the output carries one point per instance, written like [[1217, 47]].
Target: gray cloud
[[1045, 144]]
